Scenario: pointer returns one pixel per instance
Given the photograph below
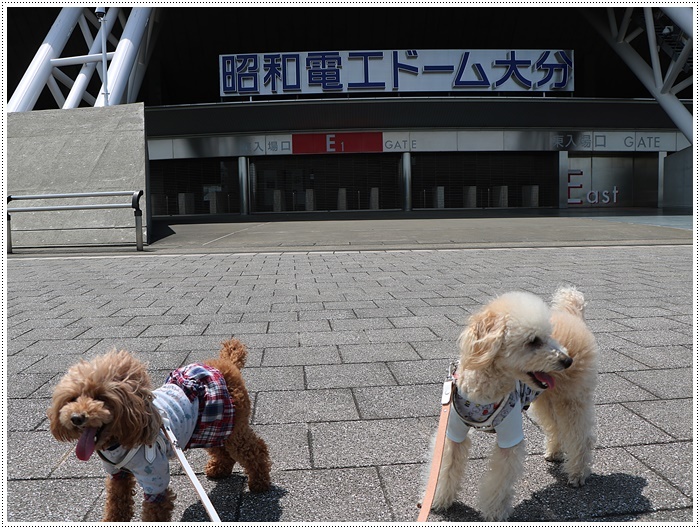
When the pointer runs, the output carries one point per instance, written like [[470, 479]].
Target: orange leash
[[437, 453]]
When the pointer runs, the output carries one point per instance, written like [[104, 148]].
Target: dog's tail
[[570, 300], [234, 351]]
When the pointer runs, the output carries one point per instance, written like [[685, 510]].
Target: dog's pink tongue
[[86, 444], [545, 378]]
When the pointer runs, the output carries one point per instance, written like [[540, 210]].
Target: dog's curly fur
[[113, 393], [496, 350]]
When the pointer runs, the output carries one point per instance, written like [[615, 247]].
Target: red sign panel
[[337, 142]]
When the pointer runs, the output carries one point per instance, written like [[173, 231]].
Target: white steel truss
[[133, 48], [662, 85], [127, 63]]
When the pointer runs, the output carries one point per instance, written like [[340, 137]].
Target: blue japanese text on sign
[[251, 74]]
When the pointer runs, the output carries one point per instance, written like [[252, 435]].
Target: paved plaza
[[348, 348]]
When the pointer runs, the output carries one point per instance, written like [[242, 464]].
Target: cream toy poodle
[[109, 406], [514, 350]]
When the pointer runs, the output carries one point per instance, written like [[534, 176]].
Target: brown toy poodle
[[108, 405]]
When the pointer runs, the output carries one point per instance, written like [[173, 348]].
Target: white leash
[[211, 511]]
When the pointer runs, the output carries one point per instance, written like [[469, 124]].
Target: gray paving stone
[[674, 417], [278, 407], [327, 314], [343, 495], [122, 331], [26, 414], [299, 326], [288, 445], [369, 443], [377, 352], [674, 461], [664, 383], [617, 426], [360, 324], [613, 361], [658, 357], [174, 330], [656, 338], [300, 356], [440, 349], [210, 342], [420, 372], [25, 385], [236, 329], [398, 401], [57, 500], [614, 388], [274, 378], [312, 401], [307, 339], [45, 453], [348, 376]]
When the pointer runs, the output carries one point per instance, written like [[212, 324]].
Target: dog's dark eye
[[536, 342]]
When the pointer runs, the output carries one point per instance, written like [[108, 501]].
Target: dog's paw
[[554, 457], [498, 516], [215, 470], [259, 485], [578, 480], [442, 504]]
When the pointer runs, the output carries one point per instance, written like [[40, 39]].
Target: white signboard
[[289, 73]]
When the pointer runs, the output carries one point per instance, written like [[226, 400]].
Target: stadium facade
[[269, 110]]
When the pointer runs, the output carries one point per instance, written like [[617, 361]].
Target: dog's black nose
[[567, 361], [77, 419]]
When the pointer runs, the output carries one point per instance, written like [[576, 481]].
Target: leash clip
[[447, 384], [451, 370]]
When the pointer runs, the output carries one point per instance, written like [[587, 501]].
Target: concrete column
[[277, 201], [531, 196], [563, 179], [405, 168], [185, 203], [217, 202], [342, 199], [469, 195], [660, 185], [499, 196], [374, 198], [243, 184], [439, 197]]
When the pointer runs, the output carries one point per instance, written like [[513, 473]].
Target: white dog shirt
[[149, 464], [505, 418], [200, 412]]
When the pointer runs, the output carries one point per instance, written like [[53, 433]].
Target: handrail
[[135, 197]]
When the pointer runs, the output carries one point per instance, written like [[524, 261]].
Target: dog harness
[[505, 418], [198, 408]]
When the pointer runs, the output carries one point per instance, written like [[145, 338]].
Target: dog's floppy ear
[[481, 339]]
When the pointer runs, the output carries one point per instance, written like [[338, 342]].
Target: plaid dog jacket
[[216, 411], [200, 411]]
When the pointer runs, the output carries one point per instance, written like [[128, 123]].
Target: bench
[[135, 197]]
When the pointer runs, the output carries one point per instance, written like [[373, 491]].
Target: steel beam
[[78, 92], [682, 17], [125, 55], [678, 113], [39, 71]]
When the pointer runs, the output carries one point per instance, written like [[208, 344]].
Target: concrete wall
[[76, 151], [678, 179]]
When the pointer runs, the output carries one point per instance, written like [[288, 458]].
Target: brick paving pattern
[[347, 355]]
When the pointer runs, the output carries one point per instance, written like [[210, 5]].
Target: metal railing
[[135, 197]]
